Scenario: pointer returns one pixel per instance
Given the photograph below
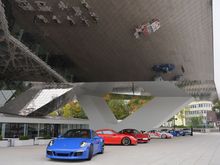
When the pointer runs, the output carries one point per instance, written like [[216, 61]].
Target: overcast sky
[[216, 26]]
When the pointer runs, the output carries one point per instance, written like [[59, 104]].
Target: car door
[[151, 133], [137, 134], [96, 141], [110, 137]]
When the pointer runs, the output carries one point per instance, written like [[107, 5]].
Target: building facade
[[200, 112]]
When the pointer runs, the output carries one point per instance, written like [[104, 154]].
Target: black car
[[188, 131]]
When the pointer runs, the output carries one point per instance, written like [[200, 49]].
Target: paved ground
[[201, 149]]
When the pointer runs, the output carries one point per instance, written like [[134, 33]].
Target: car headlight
[[51, 143], [83, 144]]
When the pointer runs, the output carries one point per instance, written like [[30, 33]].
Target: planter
[[4, 143], [42, 141], [18, 142]]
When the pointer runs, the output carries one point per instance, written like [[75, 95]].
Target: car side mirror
[[59, 136]]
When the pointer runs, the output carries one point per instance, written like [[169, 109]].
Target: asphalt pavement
[[200, 149]]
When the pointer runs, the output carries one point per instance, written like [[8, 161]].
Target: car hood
[[142, 136], [69, 143]]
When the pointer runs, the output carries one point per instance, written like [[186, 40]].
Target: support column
[[3, 130], [25, 130], [155, 113], [97, 110], [38, 130]]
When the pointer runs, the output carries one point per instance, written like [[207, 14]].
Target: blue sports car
[[164, 68], [75, 144], [176, 133]]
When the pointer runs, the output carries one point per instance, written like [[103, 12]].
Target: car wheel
[[125, 141], [163, 136], [90, 153]]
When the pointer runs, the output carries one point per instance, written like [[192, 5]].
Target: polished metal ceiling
[[108, 51], [17, 62]]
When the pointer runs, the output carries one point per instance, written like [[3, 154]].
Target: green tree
[[137, 102], [73, 109], [119, 108], [216, 107], [182, 114], [124, 105], [196, 121], [70, 110]]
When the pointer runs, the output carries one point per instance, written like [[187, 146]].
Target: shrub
[[23, 138], [47, 137], [0, 137]]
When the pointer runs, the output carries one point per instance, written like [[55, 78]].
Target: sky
[[216, 34]]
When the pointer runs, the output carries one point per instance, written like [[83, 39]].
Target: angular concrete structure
[[168, 100]]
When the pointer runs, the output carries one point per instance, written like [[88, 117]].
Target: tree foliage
[[182, 114], [70, 110], [124, 105], [196, 121], [216, 107], [73, 109], [121, 106]]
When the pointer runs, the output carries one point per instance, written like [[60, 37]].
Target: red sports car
[[142, 138], [112, 137]]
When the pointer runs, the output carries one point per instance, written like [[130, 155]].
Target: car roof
[[80, 129], [129, 129], [105, 129]]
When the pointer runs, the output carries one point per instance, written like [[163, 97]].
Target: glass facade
[[32, 130], [15, 130]]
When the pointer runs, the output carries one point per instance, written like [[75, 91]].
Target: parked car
[[174, 132], [164, 68], [160, 134], [112, 137], [187, 131], [142, 138], [75, 144]]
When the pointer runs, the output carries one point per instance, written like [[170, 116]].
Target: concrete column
[[3, 130], [97, 110], [25, 130], [155, 113], [38, 130]]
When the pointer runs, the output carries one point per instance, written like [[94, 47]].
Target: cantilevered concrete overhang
[[108, 50]]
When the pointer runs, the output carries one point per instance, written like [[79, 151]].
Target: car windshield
[[77, 133], [137, 132], [114, 132]]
